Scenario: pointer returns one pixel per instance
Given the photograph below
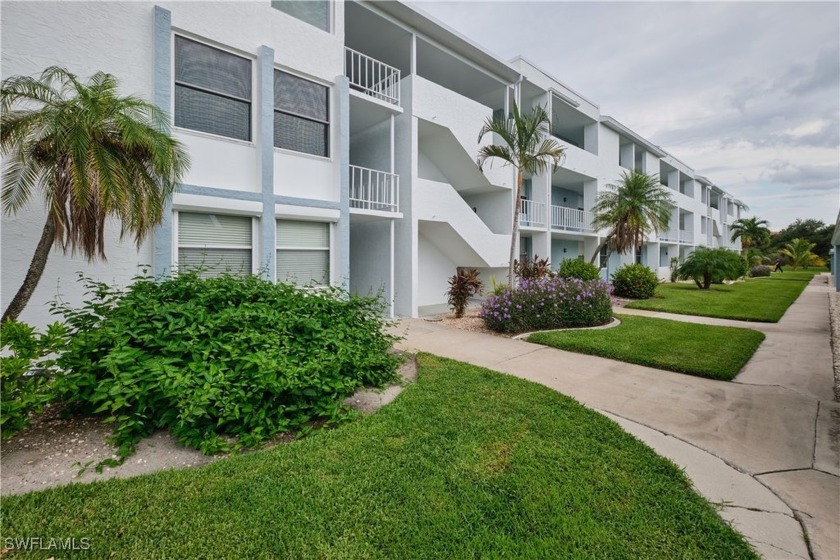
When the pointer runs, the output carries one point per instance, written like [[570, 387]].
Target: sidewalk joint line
[[785, 471], [757, 510]]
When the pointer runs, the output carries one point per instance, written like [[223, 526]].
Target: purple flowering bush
[[549, 303]]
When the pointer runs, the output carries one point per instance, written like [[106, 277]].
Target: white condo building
[[336, 142]]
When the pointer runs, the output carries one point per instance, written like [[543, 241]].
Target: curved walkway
[[765, 446]]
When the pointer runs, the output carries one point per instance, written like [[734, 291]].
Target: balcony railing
[[374, 190], [532, 214], [571, 219], [668, 236], [686, 236], [372, 77]]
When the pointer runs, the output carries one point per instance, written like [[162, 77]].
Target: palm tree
[[91, 155], [528, 147], [752, 231], [705, 265], [799, 252], [636, 206]]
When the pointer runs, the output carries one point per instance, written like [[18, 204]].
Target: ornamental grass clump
[[549, 303]]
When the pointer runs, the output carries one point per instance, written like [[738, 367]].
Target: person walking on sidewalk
[[778, 265]]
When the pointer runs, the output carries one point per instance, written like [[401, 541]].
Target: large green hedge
[[222, 362]]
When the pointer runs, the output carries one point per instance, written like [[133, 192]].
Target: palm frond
[[92, 153]]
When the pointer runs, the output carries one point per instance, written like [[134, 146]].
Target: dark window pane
[[313, 12], [215, 114], [300, 96], [199, 65], [300, 135]]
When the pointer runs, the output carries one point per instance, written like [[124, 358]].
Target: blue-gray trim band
[[232, 194]]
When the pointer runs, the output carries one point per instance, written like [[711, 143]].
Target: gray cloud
[[803, 177]]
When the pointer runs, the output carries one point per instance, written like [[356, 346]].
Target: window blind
[[303, 252], [301, 117], [214, 243], [212, 90]]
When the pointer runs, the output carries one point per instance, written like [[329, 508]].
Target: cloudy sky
[[747, 93]]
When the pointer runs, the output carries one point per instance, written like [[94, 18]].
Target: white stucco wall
[[434, 269], [462, 116], [371, 148], [118, 38], [38, 35], [370, 258]]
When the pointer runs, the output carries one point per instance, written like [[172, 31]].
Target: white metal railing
[[686, 236], [571, 219], [667, 236], [372, 77], [532, 214], [374, 190]]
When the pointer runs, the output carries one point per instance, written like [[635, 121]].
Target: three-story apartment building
[[335, 143]]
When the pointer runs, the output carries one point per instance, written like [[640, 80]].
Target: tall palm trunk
[[514, 237], [33, 275], [601, 246]]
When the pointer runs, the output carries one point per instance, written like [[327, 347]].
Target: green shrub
[[578, 268], [26, 372], [634, 281], [706, 266], [224, 362], [549, 303], [463, 285], [531, 269], [760, 270]]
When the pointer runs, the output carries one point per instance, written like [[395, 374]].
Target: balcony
[[686, 236], [668, 236], [571, 220], [374, 190], [371, 77], [532, 214]]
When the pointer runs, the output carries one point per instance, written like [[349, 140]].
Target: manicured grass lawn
[[703, 350], [466, 463], [755, 299]]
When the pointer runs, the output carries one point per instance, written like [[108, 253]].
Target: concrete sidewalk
[[764, 446]]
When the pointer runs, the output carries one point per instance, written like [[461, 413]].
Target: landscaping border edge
[[614, 323]]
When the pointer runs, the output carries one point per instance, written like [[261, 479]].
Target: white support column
[[413, 54], [391, 277], [392, 144]]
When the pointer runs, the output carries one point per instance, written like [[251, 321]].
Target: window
[[313, 12], [604, 257], [214, 243], [303, 252], [212, 90], [301, 115]]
